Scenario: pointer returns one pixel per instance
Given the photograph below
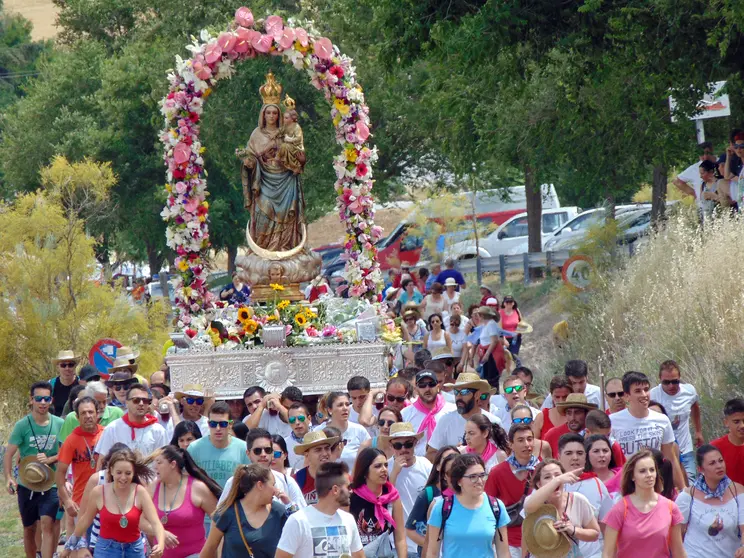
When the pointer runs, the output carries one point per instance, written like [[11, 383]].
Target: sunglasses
[[512, 389], [525, 420], [615, 394], [465, 391], [483, 396], [400, 445], [197, 400], [383, 422], [670, 382], [392, 398], [424, 385], [43, 398], [266, 451], [120, 387], [277, 454], [475, 477], [339, 443], [292, 420], [67, 365], [739, 146], [141, 400], [220, 423]]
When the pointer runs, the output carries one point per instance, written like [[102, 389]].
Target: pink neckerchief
[[448, 492], [430, 421], [488, 452], [381, 512]]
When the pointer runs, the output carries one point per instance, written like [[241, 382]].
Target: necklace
[[90, 453], [164, 519], [123, 522]]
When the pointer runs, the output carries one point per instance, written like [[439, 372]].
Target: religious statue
[[271, 167]]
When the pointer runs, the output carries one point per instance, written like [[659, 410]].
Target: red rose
[[194, 117], [191, 332], [179, 173], [337, 71]]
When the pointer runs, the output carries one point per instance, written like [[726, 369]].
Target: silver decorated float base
[[313, 369]]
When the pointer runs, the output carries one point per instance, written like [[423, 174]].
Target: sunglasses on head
[[266, 451], [512, 389], [383, 422], [292, 420], [670, 382], [525, 420], [43, 398], [141, 400], [464, 391], [424, 385], [400, 445], [220, 423], [615, 394], [67, 364], [197, 400], [392, 398]]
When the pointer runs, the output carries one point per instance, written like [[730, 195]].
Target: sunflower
[[250, 327], [282, 304], [244, 314], [277, 287], [271, 318], [300, 320]]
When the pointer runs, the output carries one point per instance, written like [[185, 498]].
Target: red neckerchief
[[588, 475], [148, 421]]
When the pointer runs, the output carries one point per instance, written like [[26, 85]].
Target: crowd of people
[[438, 463]]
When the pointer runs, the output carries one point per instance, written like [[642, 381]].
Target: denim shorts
[[107, 548]]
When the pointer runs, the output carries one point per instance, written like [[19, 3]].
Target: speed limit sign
[[577, 272]]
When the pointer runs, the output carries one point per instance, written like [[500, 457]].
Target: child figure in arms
[[292, 150]]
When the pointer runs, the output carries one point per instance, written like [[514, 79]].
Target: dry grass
[[41, 13]]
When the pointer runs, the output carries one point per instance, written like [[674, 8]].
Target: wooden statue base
[[264, 293]]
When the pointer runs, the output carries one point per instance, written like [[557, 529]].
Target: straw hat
[[312, 439], [450, 282], [472, 381], [403, 430], [127, 352], [190, 390], [120, 377], [487, 311], [63, 356], [523, 327], [541, 537], [575, 401], [34, 475], [122, 363]]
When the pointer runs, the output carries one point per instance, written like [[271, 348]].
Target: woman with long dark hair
[[510, 318], [184, 433], [339, 408], [385, 419], [376, 506], [487, 440], [184, 495], [280, 459], [437, 337], [121, 502], [599, 457], [249, 519]]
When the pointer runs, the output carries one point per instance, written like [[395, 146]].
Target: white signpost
[[712, 105]]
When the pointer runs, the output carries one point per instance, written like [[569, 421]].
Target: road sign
[[577, 272], [103, 353], [712, 105]]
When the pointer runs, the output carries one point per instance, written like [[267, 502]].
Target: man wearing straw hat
[[35, 437], [574, 408], [316, 447], [451, 427], [66, 364], [194, 407]]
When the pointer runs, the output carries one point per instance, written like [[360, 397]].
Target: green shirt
[[32, 438], [219, 463], [110, 414]]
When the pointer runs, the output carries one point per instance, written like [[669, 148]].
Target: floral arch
[[213, 59]]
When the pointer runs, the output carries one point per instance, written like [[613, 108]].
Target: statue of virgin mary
[[272, 192]]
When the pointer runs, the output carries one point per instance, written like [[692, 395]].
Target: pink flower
[[181, 187], [213, 52], [262, 43], [245, 38], [323, 48], [361, 170], [376, 231], [312, 331], [227, 42], [181, 153], [201, 70], [244, 17], [301, 36], [287, 329], [329, 331], [191, 205], [274, 26], [287, 38], [362, 131]]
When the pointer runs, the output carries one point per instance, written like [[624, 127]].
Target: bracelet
[[76, 543]]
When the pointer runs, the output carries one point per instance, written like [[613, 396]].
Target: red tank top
[[547, 423], [110, 522]]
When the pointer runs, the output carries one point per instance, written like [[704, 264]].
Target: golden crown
[[289, 102], [271, 91]]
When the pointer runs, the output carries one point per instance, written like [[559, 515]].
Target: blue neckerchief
[[474, 336], [512, 460], [703, 487]]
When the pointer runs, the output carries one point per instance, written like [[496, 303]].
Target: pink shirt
[[509, 323], [649, 531]]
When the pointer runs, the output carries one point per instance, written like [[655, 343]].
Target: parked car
[[511, 234]]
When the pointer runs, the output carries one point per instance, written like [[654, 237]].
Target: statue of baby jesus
[[292, 149]]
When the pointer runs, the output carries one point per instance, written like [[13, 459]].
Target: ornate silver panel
[[315, 370]]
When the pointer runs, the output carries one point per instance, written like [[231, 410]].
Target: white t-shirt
[[634, 434], [458, 341], [285, 483], [504, 415], [601, 502], [451, 429], [202, 423], [698, 541], [463, 322], [678, 408], [274, 424], [411, 480], [310, 533], [592, 392], [355, 435], [297, 462], [691, 175], [146, 440], [415, 417], [354, 417], [490, 330]]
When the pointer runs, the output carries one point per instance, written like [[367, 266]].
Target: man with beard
[[450, 428], [427, 409], [77, 451], [316, 447], [323, 528], [574, 408]]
